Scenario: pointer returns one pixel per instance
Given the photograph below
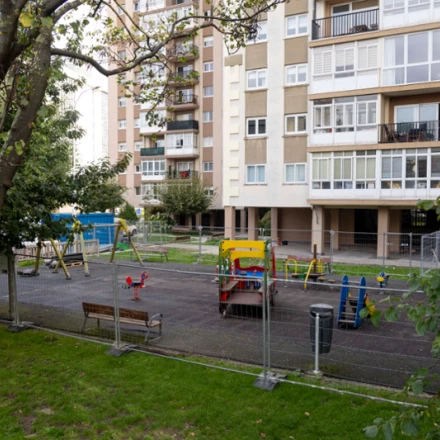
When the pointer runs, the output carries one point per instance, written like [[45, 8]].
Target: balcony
[[187, 51], [345, 24], [159, 151], [180, 2], [184, 77], [153, 176], [183, 125], [183, 102], [174, 174], [418, 131]]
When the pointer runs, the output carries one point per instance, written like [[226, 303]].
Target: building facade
[[190, 143]]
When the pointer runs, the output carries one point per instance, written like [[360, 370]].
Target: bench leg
[[148, 334], [84, 325]]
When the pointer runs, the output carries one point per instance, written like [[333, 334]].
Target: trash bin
[[325, 326]]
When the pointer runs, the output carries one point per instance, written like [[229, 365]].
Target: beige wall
[[295, 50], [208, 154], [256, 103], [298, 219], [208, 178], [295, 100], [295, 149], [296, 7], [256, 56], [255, 151]]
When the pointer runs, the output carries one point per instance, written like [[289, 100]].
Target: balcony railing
[[183, 50], [180, 2], [346, 24], [183, 125], [158, 151], [187, 75], [174, 174], [182, 100], [419, 131]]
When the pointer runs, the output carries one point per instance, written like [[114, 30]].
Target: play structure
[[136, 285], [241, 282], [314, 268], [35, 271], [382, 279], [350, 306], [122, 226]]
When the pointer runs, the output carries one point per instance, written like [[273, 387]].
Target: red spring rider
[[136, 286]]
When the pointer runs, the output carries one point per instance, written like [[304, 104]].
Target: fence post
[[332, 237], [200, 228], [261, 232], [410, 252], [384, 247], [317, 343]]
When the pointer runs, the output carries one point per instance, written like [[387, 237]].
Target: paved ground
[[188, 300]]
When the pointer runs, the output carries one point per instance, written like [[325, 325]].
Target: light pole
[[93, 120]]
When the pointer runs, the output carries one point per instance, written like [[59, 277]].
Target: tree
[[425, 314], [128, 213], [36, 34], [187, 197], [44, 181]]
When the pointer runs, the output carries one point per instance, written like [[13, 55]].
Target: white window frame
[[326, 62], [363, 182], [137, 122], [322, 128], [208, 41], [260, 76], [208, 167], [137, 168], [346, 126], [323, 161], [210, 143], [208, 116], [138, 145], [346, 69], [120, 10], [392, 182], [256, 182], [122, 101], [295, 68], [295, 172], [122, 147], [260, 36], [207, 90], [153, 167], [257, 126], [296, 130], [208, 66], [122, 124], [296, 19], [136, 6], [340, 159]]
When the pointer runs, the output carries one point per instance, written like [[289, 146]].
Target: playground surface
[[188, 299]]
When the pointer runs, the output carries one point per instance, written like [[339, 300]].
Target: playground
[[188, 299]]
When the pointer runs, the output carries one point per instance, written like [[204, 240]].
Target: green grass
[[53, 387]]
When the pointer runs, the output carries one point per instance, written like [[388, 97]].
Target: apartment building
[[266, 123], [190, 143], [373, 147]]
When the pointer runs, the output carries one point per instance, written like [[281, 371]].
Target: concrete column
[[189, 221], [243, 225], [318, 228], [383, 225], [274, 223], [198, 219], [334, 226], [253, 223], [230, 222]]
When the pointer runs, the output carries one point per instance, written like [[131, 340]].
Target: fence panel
[[430, 253]]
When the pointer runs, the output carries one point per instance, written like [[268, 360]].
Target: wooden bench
[[152, 251], [184, 230], [126, 316], [182, 238]]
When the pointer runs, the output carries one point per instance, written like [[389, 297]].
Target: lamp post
[[93, 119]]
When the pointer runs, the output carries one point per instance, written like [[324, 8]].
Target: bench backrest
[[109, 310]]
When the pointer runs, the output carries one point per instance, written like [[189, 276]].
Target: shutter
[[362, 57], [340, 60], [349, 59], [372, 56], [318, 63], [327, 62]]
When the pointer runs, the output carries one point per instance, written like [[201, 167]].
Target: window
[[137, 169], [209, 191], [209, 66], [321, 170], [260, 33], [122, 54], [366, 56], [416, 168], [391, 169], [296, 25], [137, 122], [122, 146], [365, 169], [153, 167], [208, 167], [344, 61], [295, 173], [296, 124], [150, 190], [256, 174], [159, 143], [366, 112], [208, 141], [136, 6], [322, 62], [256, 126], [180, 140], [435, 168], [208, 116], [343, 170], [138, 145], [322, 116], [137, 190], [207, 14], [296, 74], [344, 114], [122, 101], [256, 79], [185, 166], [120, 9], [208, 91], [208, 41], [122, 123]]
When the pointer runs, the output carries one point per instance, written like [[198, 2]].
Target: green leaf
[[388, 431], [409, 427], [375, 317], [417, 387], [413, 285], [371, 431], [26, 19], [46, 21], [421, 328], [364, 313], [392, 314]]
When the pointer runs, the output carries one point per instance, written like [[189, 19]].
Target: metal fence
[[185, 297], [430, 253]]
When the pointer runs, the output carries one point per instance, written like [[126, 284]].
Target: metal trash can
[[325, 326]]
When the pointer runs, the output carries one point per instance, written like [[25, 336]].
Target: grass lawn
[[54, 387]]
